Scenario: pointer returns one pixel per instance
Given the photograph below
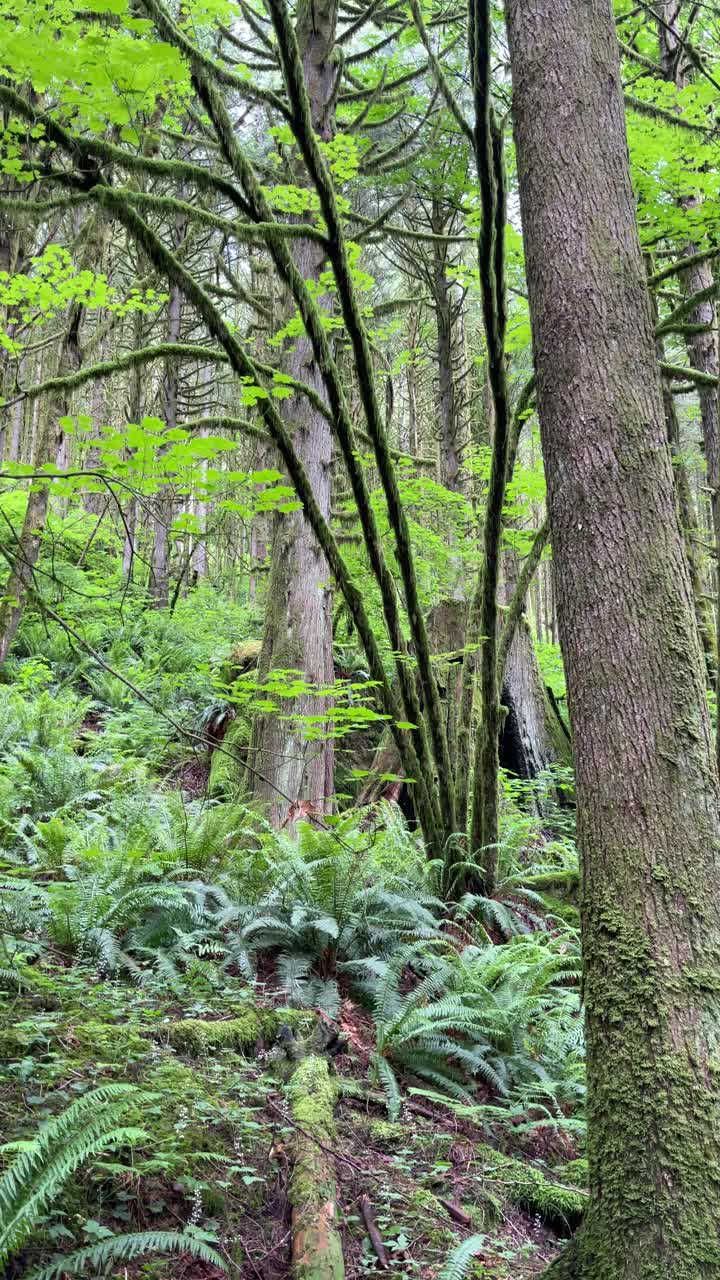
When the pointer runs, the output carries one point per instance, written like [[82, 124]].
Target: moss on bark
[[316, 1245], [196, 1036]]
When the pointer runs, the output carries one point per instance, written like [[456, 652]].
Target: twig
[[455, 1212], [371, 1228]]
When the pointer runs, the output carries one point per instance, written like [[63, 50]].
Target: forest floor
[[219, 1138], [116, 874]]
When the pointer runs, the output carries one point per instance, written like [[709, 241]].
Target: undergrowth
[[130, 903]]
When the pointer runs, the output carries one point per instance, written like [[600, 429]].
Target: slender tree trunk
[[647, 784], [163, 514], [702, 347], [412, 444], [444, 306], [134, 411], [291, 774], [48, 449], [687, 513]]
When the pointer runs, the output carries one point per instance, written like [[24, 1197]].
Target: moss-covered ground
[[218, 1142]]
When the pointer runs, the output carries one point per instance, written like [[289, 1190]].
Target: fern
[[45, 1163], [457, 1263], [124, 1248]]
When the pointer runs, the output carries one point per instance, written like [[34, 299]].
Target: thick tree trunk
[[288, 771], [647, 786]]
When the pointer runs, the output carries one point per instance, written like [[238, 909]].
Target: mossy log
[[196, 1036], [316, 1244], [559, 1205], [563, 880]]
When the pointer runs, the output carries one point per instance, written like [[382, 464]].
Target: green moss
[[528, 1188], [387, 1133], [564, 880], [424, 1209], [196, 1036], [574, 1172], [317, 1247], [653, 1083], [313, 1094], [116, 1042]]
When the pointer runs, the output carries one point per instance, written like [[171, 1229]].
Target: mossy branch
[[682, 264], [668, 117], [687, 374], [686, 308], [88, 153], [131, 360]]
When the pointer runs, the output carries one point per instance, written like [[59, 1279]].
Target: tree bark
[[316, 1244], [702, 347], [532, 739], [647, 785], [446, 311], [289, 770], [159, 582], [48, 449]]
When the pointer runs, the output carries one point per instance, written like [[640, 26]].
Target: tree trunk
[[289, 771], [687, 513], [702, 347], [532, 739], [159, 584], [48, 450], [316, 1244], [647, 785], [445, 305]]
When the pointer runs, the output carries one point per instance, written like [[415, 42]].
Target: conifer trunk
[[647, 786], [702, 347], [289, 773]]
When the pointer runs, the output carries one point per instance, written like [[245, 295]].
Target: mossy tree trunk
[[647, 785], [288, 771]]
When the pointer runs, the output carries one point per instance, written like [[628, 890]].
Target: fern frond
[[457, 1263], [124, 1248]]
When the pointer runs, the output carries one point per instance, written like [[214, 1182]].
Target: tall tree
[[647, 786], [287, 769]]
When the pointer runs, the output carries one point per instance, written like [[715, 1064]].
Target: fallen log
[[316, 1245]]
